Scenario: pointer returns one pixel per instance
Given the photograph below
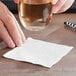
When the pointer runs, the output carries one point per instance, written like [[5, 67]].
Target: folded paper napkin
[[39, 52]]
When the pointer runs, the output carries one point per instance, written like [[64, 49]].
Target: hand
[[59, 5], [10, 31]]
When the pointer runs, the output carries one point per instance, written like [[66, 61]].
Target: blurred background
[[13, 7]]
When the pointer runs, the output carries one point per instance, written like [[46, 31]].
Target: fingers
[[65, 4], [11, 25], [20, 31], [58, 5], [13, 30], [4, 35]]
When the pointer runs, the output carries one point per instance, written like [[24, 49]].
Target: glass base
[[30, 28]]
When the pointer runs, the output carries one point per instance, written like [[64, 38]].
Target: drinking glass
[[35, 15]]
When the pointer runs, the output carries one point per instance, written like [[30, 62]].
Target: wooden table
[[55, 33]]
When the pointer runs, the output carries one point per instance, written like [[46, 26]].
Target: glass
[[35, 14]]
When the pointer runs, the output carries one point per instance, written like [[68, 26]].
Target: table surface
[[54, 33]]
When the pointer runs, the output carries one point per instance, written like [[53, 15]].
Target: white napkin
[[39, 52]]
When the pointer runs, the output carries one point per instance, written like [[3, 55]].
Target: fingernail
[[19, 43], [24, 39], [12, 45]]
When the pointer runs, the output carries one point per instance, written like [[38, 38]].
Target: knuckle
[[9, 19], [1, 23]]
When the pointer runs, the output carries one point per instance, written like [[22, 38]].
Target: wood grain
[[54, 33]]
